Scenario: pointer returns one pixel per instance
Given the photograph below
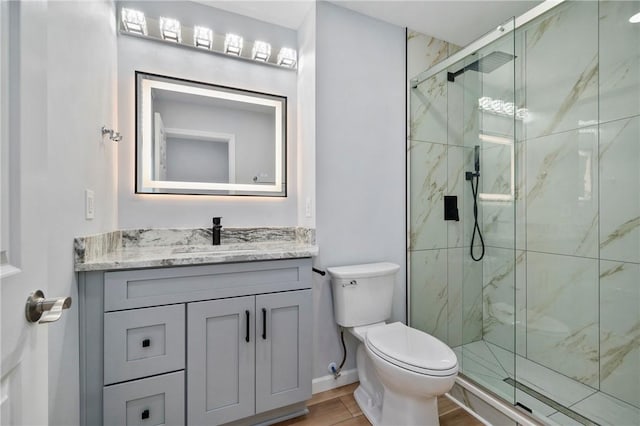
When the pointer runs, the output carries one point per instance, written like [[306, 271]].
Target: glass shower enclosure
[[535, 130]]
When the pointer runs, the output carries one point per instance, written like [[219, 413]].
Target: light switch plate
[[89, 204]]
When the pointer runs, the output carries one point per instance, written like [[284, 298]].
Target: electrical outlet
[[89, 204]]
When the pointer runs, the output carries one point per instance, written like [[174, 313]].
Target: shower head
[[485, 65]]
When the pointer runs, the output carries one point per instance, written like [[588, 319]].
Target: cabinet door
[[283, 349], [220, 360]]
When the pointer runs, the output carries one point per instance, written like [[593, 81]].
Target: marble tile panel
[[456, 165], [562, 94], [455, 275], [457, 105], [562, 315], [497, 194], [471, 298], [428, 302], [620, 330], [562, 193], [428, 110], [561, 420], [471, 120], [619, 60], [480, 364], [503, 218], [556, 386], [620, 190], [423, 52], [606, 410], [499, 86], [454, 48], [503, 271], [428, 183]]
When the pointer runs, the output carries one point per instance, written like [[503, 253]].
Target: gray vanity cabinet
[[283, 349], [197, 345], [221, 358], [247, 355]]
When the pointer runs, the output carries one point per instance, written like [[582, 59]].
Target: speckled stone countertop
[[152, 248]]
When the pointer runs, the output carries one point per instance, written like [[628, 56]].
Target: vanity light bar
[[261, 51], [287, 57], [170, 29], [202, 37], [233, 44], [134, 21]]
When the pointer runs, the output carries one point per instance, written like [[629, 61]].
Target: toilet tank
[[363, 294]]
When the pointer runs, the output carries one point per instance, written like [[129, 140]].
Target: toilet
[[401, 370]]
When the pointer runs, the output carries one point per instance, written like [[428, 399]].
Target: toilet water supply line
[[336, 372]]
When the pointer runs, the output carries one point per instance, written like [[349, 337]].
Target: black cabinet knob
[[145, 414], [146, 343]]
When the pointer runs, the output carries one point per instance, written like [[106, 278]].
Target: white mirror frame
[[144, 165]]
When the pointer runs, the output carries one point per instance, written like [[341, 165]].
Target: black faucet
[[215, 231]]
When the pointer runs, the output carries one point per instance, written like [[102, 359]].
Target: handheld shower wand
[[470, 176]]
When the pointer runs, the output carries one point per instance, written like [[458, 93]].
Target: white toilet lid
[[412, 349]]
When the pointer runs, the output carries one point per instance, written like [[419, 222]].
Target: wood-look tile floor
[[339, 407]]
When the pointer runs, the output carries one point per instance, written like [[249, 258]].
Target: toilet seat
[[412, 350]]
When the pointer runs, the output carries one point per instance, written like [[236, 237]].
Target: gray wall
[[360, 157], [81, 61], [155, 210]]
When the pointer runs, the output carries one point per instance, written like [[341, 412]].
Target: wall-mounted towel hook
[[113, 135]]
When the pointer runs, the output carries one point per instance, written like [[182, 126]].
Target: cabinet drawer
[[164, 286], [154, 401], [143, 342]]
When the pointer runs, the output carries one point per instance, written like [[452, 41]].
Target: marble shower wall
[[571, 286], [577, 199], [440, 267]]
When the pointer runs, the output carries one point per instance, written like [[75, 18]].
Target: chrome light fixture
[[261, 51], [233, 44], [170, 29], [635, 19], [134, 21], [287, 57], [202, 37]]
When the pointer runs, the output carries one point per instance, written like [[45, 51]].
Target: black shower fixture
[[470, 176], [486, 64]]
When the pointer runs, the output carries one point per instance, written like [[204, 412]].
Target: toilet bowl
[[414, 368], [401, 370]]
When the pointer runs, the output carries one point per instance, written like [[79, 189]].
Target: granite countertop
[[151, 248]]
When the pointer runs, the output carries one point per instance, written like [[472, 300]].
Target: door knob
[[41, 310]]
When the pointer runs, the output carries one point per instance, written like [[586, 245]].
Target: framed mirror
[[200, 138]]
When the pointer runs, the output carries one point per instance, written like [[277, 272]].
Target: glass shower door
[[463, 122]]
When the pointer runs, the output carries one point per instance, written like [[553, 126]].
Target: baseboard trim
[[328, 382]]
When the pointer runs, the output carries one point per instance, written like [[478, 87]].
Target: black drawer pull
[[247, 336], [264, 324], [145, 414], [146, 343]]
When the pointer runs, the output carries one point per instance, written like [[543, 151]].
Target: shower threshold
[[551, 403], [546, 393]]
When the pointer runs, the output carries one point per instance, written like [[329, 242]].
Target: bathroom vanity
[[211, 341]]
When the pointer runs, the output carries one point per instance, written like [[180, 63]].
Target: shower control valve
[[471, 175]]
